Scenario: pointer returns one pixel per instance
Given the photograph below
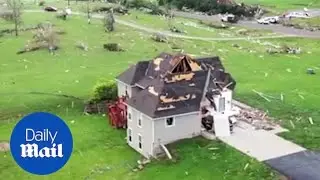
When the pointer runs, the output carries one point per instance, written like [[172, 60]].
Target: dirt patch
[[4, 146]]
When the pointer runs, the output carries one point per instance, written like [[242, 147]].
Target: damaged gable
[[175, 85]]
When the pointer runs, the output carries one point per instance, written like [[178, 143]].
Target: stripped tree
[[109, 21], [16, 7]]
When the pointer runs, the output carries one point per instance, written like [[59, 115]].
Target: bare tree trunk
[[15, 15]]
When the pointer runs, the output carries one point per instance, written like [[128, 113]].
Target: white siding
[[145, 131], [185, 126], [122, 88]]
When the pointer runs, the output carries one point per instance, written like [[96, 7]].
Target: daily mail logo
[[32, 150], [41, 143]]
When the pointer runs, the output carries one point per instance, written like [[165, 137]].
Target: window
[[130, 135], [170, 122], [129, 111], [222, 104], [140, 121], [140, 141]]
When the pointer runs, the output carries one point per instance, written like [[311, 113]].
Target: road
[[167, 33], [277, 28]]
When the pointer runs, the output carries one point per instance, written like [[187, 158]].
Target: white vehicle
[[228, 18], [298, 15], [268, 20]]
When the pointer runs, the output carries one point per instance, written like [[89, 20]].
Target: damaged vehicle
[[229, 18], [268, 20]]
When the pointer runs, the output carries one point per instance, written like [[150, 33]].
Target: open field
[[100, 152]]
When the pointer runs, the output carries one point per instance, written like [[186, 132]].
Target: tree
[[109, 21], [88, 12], [16, 7]]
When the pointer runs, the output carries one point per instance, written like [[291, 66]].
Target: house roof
[[175, 84], [166, 98], [134, 73]]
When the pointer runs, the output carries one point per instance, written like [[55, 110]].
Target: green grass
[[189, 26], [284, 4], [96, 145]]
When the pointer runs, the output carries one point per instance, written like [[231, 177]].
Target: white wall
[[145, 131], [185, 126], [122, 88]]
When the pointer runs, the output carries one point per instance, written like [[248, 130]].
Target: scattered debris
[[311, 120], [246, 166], [262, 95], [256, 118], [301, 96], [284, 49], [310, 71], [288, 70], [4, 146], [158, 37], [82, 45], [292, 124], [112, 47], [176, 30]]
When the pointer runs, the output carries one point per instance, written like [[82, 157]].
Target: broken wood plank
[[261, 95], [311, 120]]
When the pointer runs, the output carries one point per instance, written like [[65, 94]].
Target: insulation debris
[[164, 99], [152, 91], [157, 62], [180, 77]]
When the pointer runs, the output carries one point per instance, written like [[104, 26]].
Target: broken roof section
[[163, 98], [175, 84]]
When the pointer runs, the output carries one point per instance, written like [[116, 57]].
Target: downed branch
[[82, 46], [262, 95], [158, 37]]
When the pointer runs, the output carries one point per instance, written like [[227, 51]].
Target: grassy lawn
[[307, 22], [189, 26], [100, 152], [284, 4]]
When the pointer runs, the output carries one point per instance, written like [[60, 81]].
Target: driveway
[[277, 28]]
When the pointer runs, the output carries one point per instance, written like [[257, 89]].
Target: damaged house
[[166, 96]]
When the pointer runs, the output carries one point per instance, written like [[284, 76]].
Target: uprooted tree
[[15, 11], [44, 37]]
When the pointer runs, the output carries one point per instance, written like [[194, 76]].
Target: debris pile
[[257, 118], [159, 38], [4, 147], [96, 107], [45, 37], [284, 50], [310, 71], [176, 30], [141, 164]]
